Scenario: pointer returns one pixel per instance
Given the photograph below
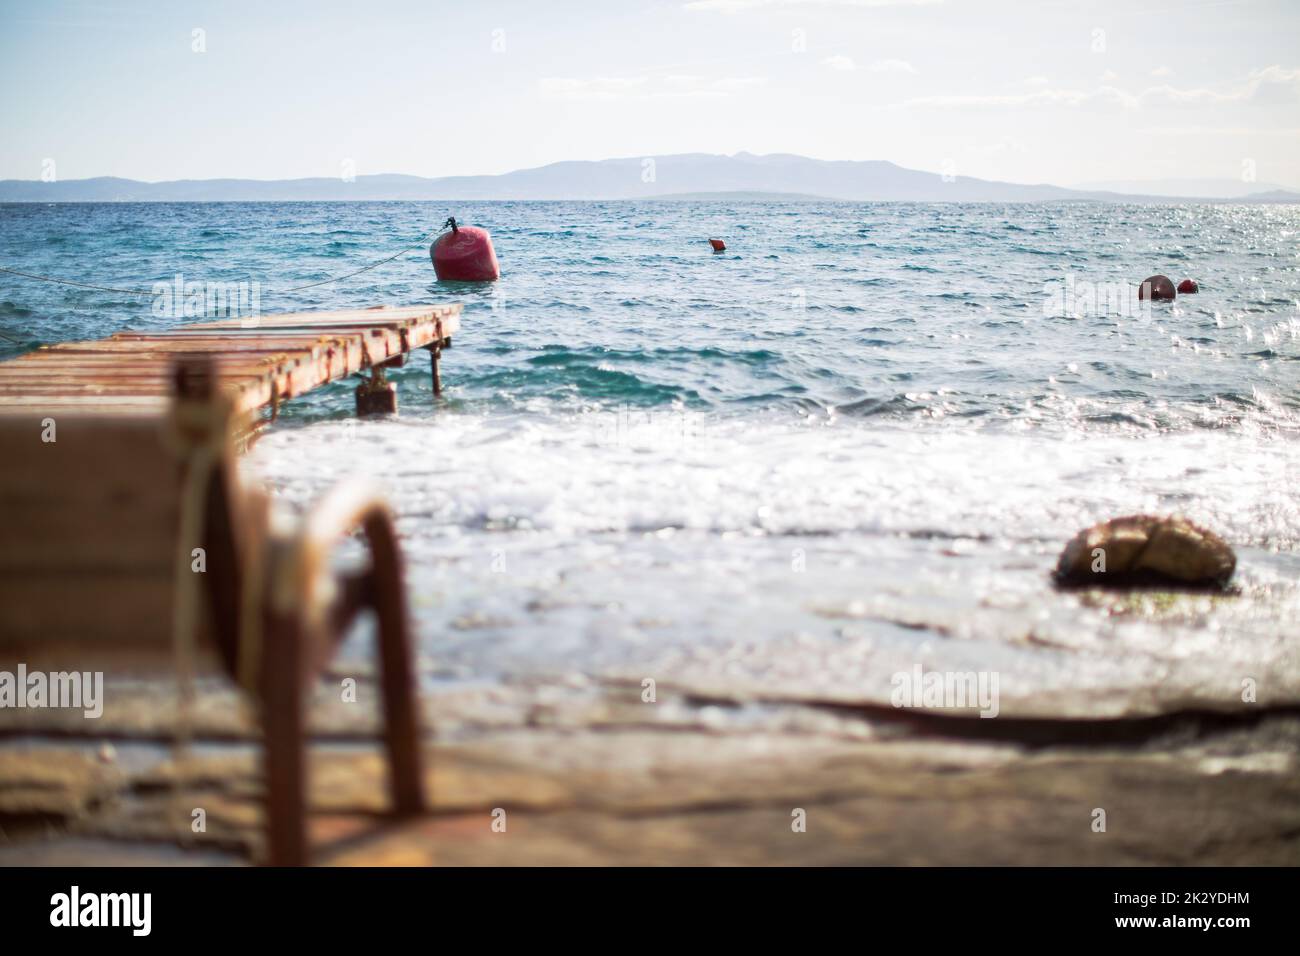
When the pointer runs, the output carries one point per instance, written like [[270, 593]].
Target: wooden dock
[[261, 361]]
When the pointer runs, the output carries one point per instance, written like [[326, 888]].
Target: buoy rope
[[419, 243], [80, 285]]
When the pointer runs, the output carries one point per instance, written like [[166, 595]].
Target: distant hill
[[1229, 189], [1276, 195], [738, 196], [659, 177]]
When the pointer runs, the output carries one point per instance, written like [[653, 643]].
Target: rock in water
[[1146, 551]]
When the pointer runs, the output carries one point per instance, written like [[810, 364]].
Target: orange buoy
[[1157, 288], [718, 245], [1188, 287], [465, 254]]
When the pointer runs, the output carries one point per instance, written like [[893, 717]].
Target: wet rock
[[1157, 288], [1146, 551]]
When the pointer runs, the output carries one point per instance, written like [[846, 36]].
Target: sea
[[850, 445]]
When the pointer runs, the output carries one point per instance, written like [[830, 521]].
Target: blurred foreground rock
[[1146, 551]]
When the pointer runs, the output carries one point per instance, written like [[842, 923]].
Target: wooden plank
[[114, 374], [115, 377], [88, 403], [98, 496], [133, 609], [64, 371], [383, 314], [215, 343], [92, 361]]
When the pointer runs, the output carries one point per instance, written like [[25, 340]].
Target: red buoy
[[1157, 288], [718, 245], [465, 254], [1188, 286]]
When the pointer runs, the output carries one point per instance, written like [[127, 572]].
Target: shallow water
[[853, 442]]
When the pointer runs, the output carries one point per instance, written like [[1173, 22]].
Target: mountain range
[[688, 175]]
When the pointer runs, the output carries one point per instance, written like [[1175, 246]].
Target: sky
[[1052, 91]]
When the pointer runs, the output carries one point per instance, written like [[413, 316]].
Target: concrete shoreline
[[588, 775]]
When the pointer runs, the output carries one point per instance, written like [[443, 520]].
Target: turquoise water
[[856, 439], [897, 310]]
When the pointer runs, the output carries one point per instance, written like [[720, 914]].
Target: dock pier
[[261, 361]]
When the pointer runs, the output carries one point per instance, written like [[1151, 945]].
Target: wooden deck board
[[259, 361]]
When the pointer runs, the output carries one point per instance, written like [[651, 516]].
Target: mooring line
[[419, 243], [80, 285]]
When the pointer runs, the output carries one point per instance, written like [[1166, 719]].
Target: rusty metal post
[[401, 699], [376, 395], [435, 355], [283, 754]]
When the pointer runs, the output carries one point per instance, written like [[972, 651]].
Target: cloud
[[1003, 146], [1162, 71], [1166, 95], [608, 89], [1104, 94], [1227, 130], [731, 84], [846, 64], [892, 66], [737, 6], [1270, 84], [1273, 83], [1036, 81], [595, 88]]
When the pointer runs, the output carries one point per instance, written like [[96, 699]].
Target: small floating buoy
[[465, 254], [718, 245], [1188, 287], [1157, 288]]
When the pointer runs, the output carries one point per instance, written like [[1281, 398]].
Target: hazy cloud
[[736, 6], [1270, 83], [1273, 83], [603, 88], [1104, 94], [846, 64], [594, 88], [892, 66]]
